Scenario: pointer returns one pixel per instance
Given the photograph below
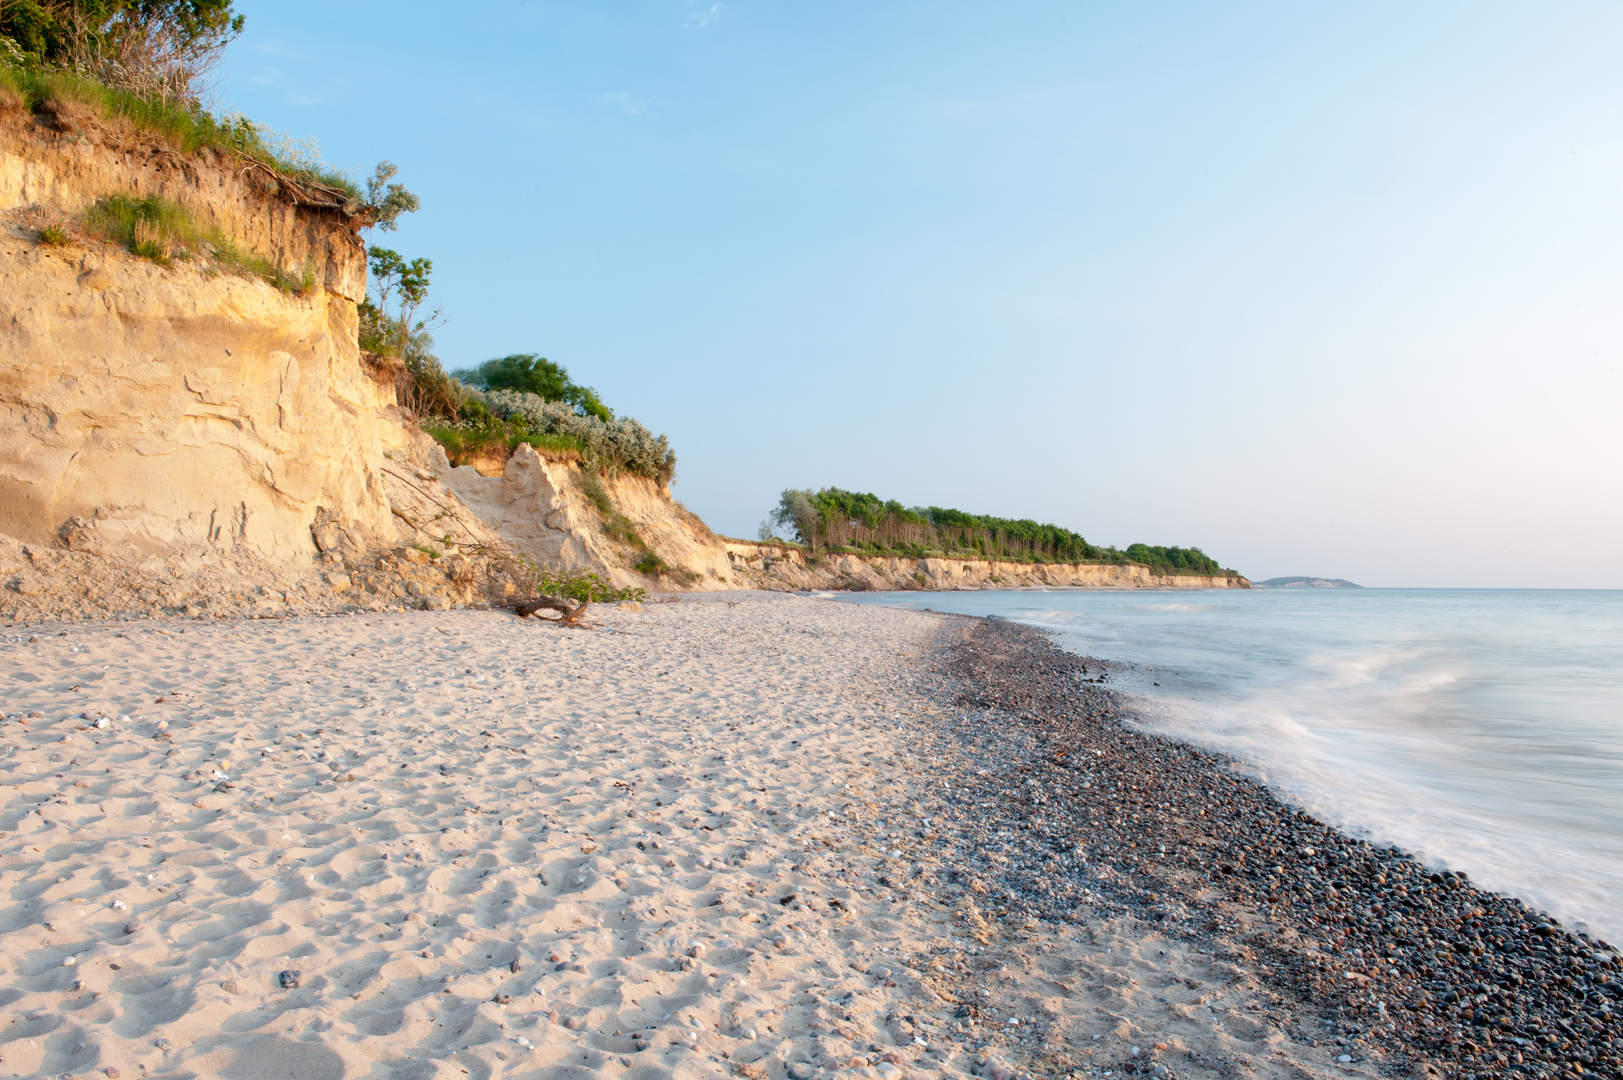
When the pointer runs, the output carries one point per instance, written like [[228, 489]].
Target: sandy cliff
[[169, 433], [779, 566], [146, 407], [182, 438], [543, 509]]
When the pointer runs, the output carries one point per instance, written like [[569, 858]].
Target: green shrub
[[592, 485], [53, 236], [534, 580], [12, 94], [460, 442], [465, 439], [161, 48], [652, 565], [532, 374], [476, 413], [621, 445]]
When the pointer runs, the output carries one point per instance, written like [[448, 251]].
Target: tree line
[[836, 519]]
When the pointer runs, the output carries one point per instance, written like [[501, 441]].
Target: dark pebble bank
[[1363, 945]]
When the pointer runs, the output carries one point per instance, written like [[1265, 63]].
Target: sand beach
[[746, 834]]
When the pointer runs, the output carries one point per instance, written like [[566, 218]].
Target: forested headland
[[834, 519]]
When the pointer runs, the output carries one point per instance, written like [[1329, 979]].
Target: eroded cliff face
[[169, 433], [543, 509], [143, 407], [770, 566]]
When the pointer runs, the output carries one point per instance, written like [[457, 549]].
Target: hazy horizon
[[1319, 291]]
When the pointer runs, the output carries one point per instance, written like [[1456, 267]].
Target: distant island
[[1305, 583]]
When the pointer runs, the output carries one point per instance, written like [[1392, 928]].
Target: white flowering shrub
[[615, 446]]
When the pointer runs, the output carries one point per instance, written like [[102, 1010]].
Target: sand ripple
[[489, 848]]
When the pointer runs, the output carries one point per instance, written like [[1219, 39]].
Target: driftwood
[[569, 611]]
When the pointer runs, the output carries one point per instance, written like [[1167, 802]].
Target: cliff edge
[[171, 430]]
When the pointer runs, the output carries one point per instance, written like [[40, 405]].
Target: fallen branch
[[569, 611], [454, 516]]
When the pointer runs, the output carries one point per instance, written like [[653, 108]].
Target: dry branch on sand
[[569, 611]]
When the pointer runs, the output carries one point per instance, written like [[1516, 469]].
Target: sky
[[1321, 289]]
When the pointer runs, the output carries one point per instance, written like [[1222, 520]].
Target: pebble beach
[[732, 835]]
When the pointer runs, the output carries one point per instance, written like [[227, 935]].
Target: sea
[[1479, 730]]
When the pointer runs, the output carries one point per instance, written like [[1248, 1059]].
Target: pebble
[[1406, 934], [290, 979], [131, 927]]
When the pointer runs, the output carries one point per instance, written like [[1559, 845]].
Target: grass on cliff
[[156, 229], [55, 93], [464, 444], [618, 527]]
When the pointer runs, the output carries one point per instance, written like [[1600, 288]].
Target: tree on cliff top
[[537, 375], [159, 48], [390, 326], [388, 198]]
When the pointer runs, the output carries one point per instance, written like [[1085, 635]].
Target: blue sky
[[1318, 289]]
